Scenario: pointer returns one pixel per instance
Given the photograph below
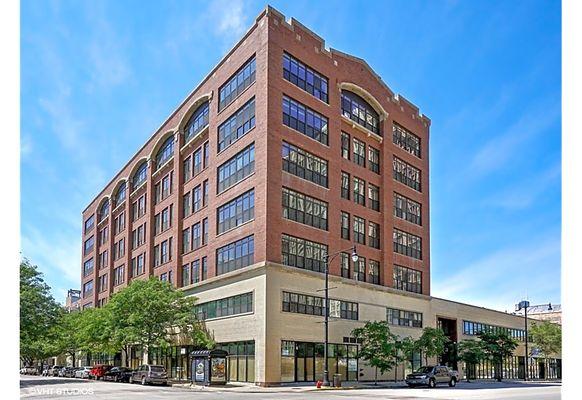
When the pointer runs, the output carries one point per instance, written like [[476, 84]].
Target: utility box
[[337, 380], [208, 367]]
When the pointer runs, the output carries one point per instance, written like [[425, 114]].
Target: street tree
[[471, 352], [431, 343], [547, 338], [39, 314], [496, 347], [378, 346], [151, 313]]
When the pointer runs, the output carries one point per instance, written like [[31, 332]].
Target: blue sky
[[97, 79]]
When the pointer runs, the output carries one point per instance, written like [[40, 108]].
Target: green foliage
[[431, 343], [379, 347], [546, 337], [39, 314], [471, 352], [151, 313], [497, 346]]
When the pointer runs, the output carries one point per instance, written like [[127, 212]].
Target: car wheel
[[143, 380], [453, 382], [431, 383]]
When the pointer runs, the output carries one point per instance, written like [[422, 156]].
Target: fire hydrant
[[318, 384]]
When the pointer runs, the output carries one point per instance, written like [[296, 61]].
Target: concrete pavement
[[35, 387]]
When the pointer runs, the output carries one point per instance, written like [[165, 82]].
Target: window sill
[[194, 138], [237, 139], [134, 191], [234, 228], [368, 132], [118, 207], [226, 107], [161, 167], [308, 137], [235, 185], [194, 250], [305, 180], [228, 316]]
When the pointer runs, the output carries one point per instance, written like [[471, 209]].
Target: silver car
[[432, 375], [83, 372], [150, 374]]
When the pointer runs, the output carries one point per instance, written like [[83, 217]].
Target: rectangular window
[[206, 154], [139, 236], [88, 288], [235, 255], [234, 305], [88, 267], [187, 169], [195, 271], [236, 169], [119, 275], [404, 318], [345, 185], [374, 197], [315, 305], [238, 125], [359, 191], [186, 275], [205, 193], [406, 174], [187, 198], [373, 235], [374, 159], [167, 185], [359, 149], [167, 218], [408, 244], [304, 209], [197, 198], [103, 235], [345, 146], [204, 231], [236, 212], [303, 253], [138, 208], [237, 84], [104, 259], [304, 77], [345, 231], [359, 230], [197, 161], [119, 223], [475, 328], [89, 223], [102, 283], [138, 265], [204, 272], [345, 265], [196, 236], [406, 140], [360, 269], [119, 249], [407, 279], [305, 120], [303, 164], [374, 272], [163, 252], [406, 209], [186, 244], [89, 244]]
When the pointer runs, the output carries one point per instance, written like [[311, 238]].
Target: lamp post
[[328, 259], [524, 305]]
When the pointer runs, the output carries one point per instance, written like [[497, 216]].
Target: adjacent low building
[[286, 152]]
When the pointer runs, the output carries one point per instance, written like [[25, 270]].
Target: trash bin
[[337, 380]]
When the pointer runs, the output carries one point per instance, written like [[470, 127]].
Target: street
[[37, 387]]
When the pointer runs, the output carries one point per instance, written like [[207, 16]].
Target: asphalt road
[[36, 387]]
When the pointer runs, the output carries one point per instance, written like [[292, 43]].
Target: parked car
[[62, 371], [148, 374], [98, 371], [118, 374], [29, 370], [83, 372], [70, 372], [45, 371], [432, 375], [54, 371]]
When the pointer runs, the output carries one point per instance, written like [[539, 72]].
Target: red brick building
[[278, 91]]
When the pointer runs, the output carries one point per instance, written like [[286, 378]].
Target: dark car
[[146, 374], [98, 371], [432, 375], [54, 371], [118, 374]]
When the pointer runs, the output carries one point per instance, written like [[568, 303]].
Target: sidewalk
[[240, 387]]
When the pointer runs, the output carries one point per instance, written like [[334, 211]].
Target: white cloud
[[504, 146], [503, 277]]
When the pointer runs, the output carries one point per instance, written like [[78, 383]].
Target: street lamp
[[524, 305], [328, 258]]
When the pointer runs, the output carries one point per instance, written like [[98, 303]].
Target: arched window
[[165, 152], [197, 121], [104, 210], [358, 110], [120, 195], [140, 175]]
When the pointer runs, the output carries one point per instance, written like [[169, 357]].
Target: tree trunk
[[376, 376]]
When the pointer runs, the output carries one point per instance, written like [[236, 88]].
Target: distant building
[[73, 301], [544, 312]]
